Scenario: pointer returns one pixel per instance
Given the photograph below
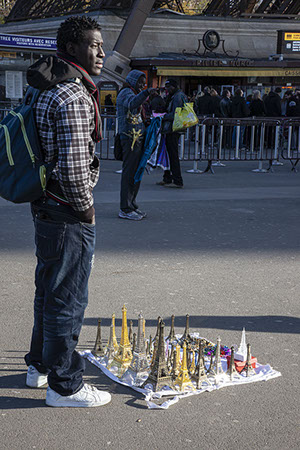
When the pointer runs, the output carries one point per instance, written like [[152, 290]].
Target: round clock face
[[211, 40]]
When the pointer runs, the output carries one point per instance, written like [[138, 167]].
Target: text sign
[[30, 42], [288, 42], [14, 84]]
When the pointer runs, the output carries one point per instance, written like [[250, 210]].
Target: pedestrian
[[225, 103], [273, 103], [215, 103], [158, 104], [176, 98], [68, 123], [239, 110], [131, 128], [257, 107], [204, 103], [285, 101]]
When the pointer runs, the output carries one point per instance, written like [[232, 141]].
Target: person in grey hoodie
[[131, 129]]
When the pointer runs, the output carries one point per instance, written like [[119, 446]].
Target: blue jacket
[[129, 103]]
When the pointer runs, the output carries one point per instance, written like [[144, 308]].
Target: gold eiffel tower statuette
[[200, 374], [231, 372], [158, 376], [176, 362], [130, 332], [139, 366], [159, 319], [155, 345], [110, 349], [171, 336], [113, 323], [134, 342], [98, 347], [123, 356], [183, 380], [248, 366], [216, 368], [186, 337]]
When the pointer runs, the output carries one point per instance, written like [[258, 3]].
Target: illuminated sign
[[30, 42], [288, 42]]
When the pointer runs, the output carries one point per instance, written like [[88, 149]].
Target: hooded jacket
[[273, 105], [129, 104], [65, 117], [239, 108]]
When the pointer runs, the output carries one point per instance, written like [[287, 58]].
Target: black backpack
[[23, 173]]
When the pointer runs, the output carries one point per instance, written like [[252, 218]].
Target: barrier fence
[[219, 140]]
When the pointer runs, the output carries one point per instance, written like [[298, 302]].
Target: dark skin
[[89, 52]]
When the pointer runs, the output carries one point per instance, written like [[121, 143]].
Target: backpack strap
[[31, 96]]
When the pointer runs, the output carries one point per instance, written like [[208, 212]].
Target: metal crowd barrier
[[220, 140]]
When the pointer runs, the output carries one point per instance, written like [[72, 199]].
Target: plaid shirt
[[65, 121]]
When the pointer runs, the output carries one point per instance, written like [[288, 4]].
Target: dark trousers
[[64, 250], [131, 160], [174, 174]]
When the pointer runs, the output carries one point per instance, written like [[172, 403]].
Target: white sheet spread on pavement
[[262, 373]]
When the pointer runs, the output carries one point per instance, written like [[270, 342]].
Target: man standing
[[68, 122], [176, 98], [273, 103]]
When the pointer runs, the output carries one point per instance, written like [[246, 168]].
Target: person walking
[[176, 98], [69, 124], [131, 128]]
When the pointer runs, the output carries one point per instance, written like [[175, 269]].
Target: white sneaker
[[88, 396], [35, 379]]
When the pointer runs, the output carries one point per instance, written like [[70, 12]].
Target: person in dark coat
[[293, 107], [225, 104], [204, 103], [257, 107], [215, 103], [273, 103], [239, 108], [176, 98], [158, 105]]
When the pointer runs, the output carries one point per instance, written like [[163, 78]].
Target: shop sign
[[108, 93], [288, 42], [223, 63], [8, 55], [13, 84], [29, 42]]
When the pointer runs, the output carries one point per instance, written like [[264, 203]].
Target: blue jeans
[[64, 250]]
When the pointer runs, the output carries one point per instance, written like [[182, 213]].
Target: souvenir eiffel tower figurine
[[171, 336], [186, 337], [183, 380], [123, 356], [110, 349], [159, 376], [176, 362], [139, 366], [231, 371], [192, 365], [98, 347], [248, 366], [154, 353], [113, 323], [215, 369], [200, 374], [134, 342], [157, 329], [130, 332], [170, 357]]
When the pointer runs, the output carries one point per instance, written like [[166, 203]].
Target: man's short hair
[[238, 92], [225, 92], [206, 90], [171, 82], [72, 30], [278, 90]]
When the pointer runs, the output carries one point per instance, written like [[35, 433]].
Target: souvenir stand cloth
[[154, 399]]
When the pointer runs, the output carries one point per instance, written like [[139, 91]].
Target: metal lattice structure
[[38, 9], [271, 9]]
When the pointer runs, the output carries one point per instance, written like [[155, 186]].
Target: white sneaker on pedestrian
[[35, 379], [87, 397]]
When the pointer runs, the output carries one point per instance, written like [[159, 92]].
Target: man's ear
[[70, 47]]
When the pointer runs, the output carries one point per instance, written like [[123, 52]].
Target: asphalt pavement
[[225, 250]]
